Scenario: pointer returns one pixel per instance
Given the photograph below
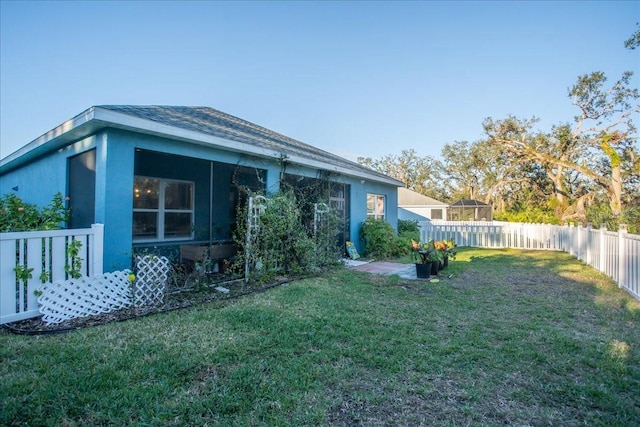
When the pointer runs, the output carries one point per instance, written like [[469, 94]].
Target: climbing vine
[[285, 242], [73, 267]]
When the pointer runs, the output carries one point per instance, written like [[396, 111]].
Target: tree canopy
[[584, 170]]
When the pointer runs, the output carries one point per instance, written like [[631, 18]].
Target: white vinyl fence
[[617, 254], [43, 257]]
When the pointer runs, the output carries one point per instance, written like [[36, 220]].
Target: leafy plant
[[16, 215], [380, 240], [44, 276], [281, 243], [601, 214], [450, 249], [23, 273], [433, 250], [408, 227], [73, 266]]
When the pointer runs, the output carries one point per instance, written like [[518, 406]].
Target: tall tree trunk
[[615, 191], [559, 189]]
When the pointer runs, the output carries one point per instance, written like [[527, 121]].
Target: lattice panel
[[152, 273], [86, 296]]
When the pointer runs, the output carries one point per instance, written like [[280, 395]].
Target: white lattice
[[152, 273], [86, 296]]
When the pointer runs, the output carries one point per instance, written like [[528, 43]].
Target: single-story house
[[160, 176], [418, 207]]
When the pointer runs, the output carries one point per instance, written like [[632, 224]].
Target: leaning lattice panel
[[86, 296], [152, 273]]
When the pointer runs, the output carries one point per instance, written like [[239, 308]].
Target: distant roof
[[408, 197], [470, 203], [196, 125]]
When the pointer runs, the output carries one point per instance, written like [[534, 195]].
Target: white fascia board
[[42, 140]]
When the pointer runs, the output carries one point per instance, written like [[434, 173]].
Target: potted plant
[[435, 254], [420, 256], [449, 252]]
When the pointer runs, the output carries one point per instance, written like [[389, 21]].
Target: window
[[436, 213], [162, 209], [375, 206]]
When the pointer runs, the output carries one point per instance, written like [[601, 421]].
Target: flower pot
[[423, 271], [435, 266]]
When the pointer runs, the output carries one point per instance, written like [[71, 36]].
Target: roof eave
[[96, 118], [55, 139]]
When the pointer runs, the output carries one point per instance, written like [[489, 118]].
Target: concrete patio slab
[[405, 271]]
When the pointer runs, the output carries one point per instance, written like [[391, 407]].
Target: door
[[81, 182]]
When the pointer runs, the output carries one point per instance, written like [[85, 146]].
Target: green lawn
[[514, 337]]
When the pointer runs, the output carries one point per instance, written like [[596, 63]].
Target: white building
[[418, 207]]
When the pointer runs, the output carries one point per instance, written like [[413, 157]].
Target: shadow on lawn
[[554, 273]]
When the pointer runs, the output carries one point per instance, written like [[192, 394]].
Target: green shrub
[[533, 215], [407, 226], [380, 240], [601, 214], [408, 230], [16, 215]]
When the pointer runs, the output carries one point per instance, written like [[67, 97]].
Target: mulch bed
[[172, 301]]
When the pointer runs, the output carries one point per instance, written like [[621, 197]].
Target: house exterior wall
[[114, 201], [359, 191], [419, 213], [40, 179], [117, 209]]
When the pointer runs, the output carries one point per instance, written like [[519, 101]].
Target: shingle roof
[[213, 122], [469, 202], [408, 197]]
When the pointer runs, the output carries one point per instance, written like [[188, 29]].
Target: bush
[[601, 214], [534, 215], [16, 215], [407, 226], [380, 240], [408, 230]]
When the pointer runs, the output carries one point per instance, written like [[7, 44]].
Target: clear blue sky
[[354, 78]]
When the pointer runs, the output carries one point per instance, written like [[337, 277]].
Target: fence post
[[603, 228], [622, 264], [97, 266], [588, 244]]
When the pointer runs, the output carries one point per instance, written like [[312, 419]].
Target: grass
[[514, 337]]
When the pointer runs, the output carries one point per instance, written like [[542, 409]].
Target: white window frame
[[161, 210], [377, 198], [440, 210]]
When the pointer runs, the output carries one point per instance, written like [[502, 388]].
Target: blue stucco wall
[[42, 178], [39, 180], [359, 191]]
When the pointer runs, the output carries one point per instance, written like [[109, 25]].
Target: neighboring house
[[418, 207], [162, 176]]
